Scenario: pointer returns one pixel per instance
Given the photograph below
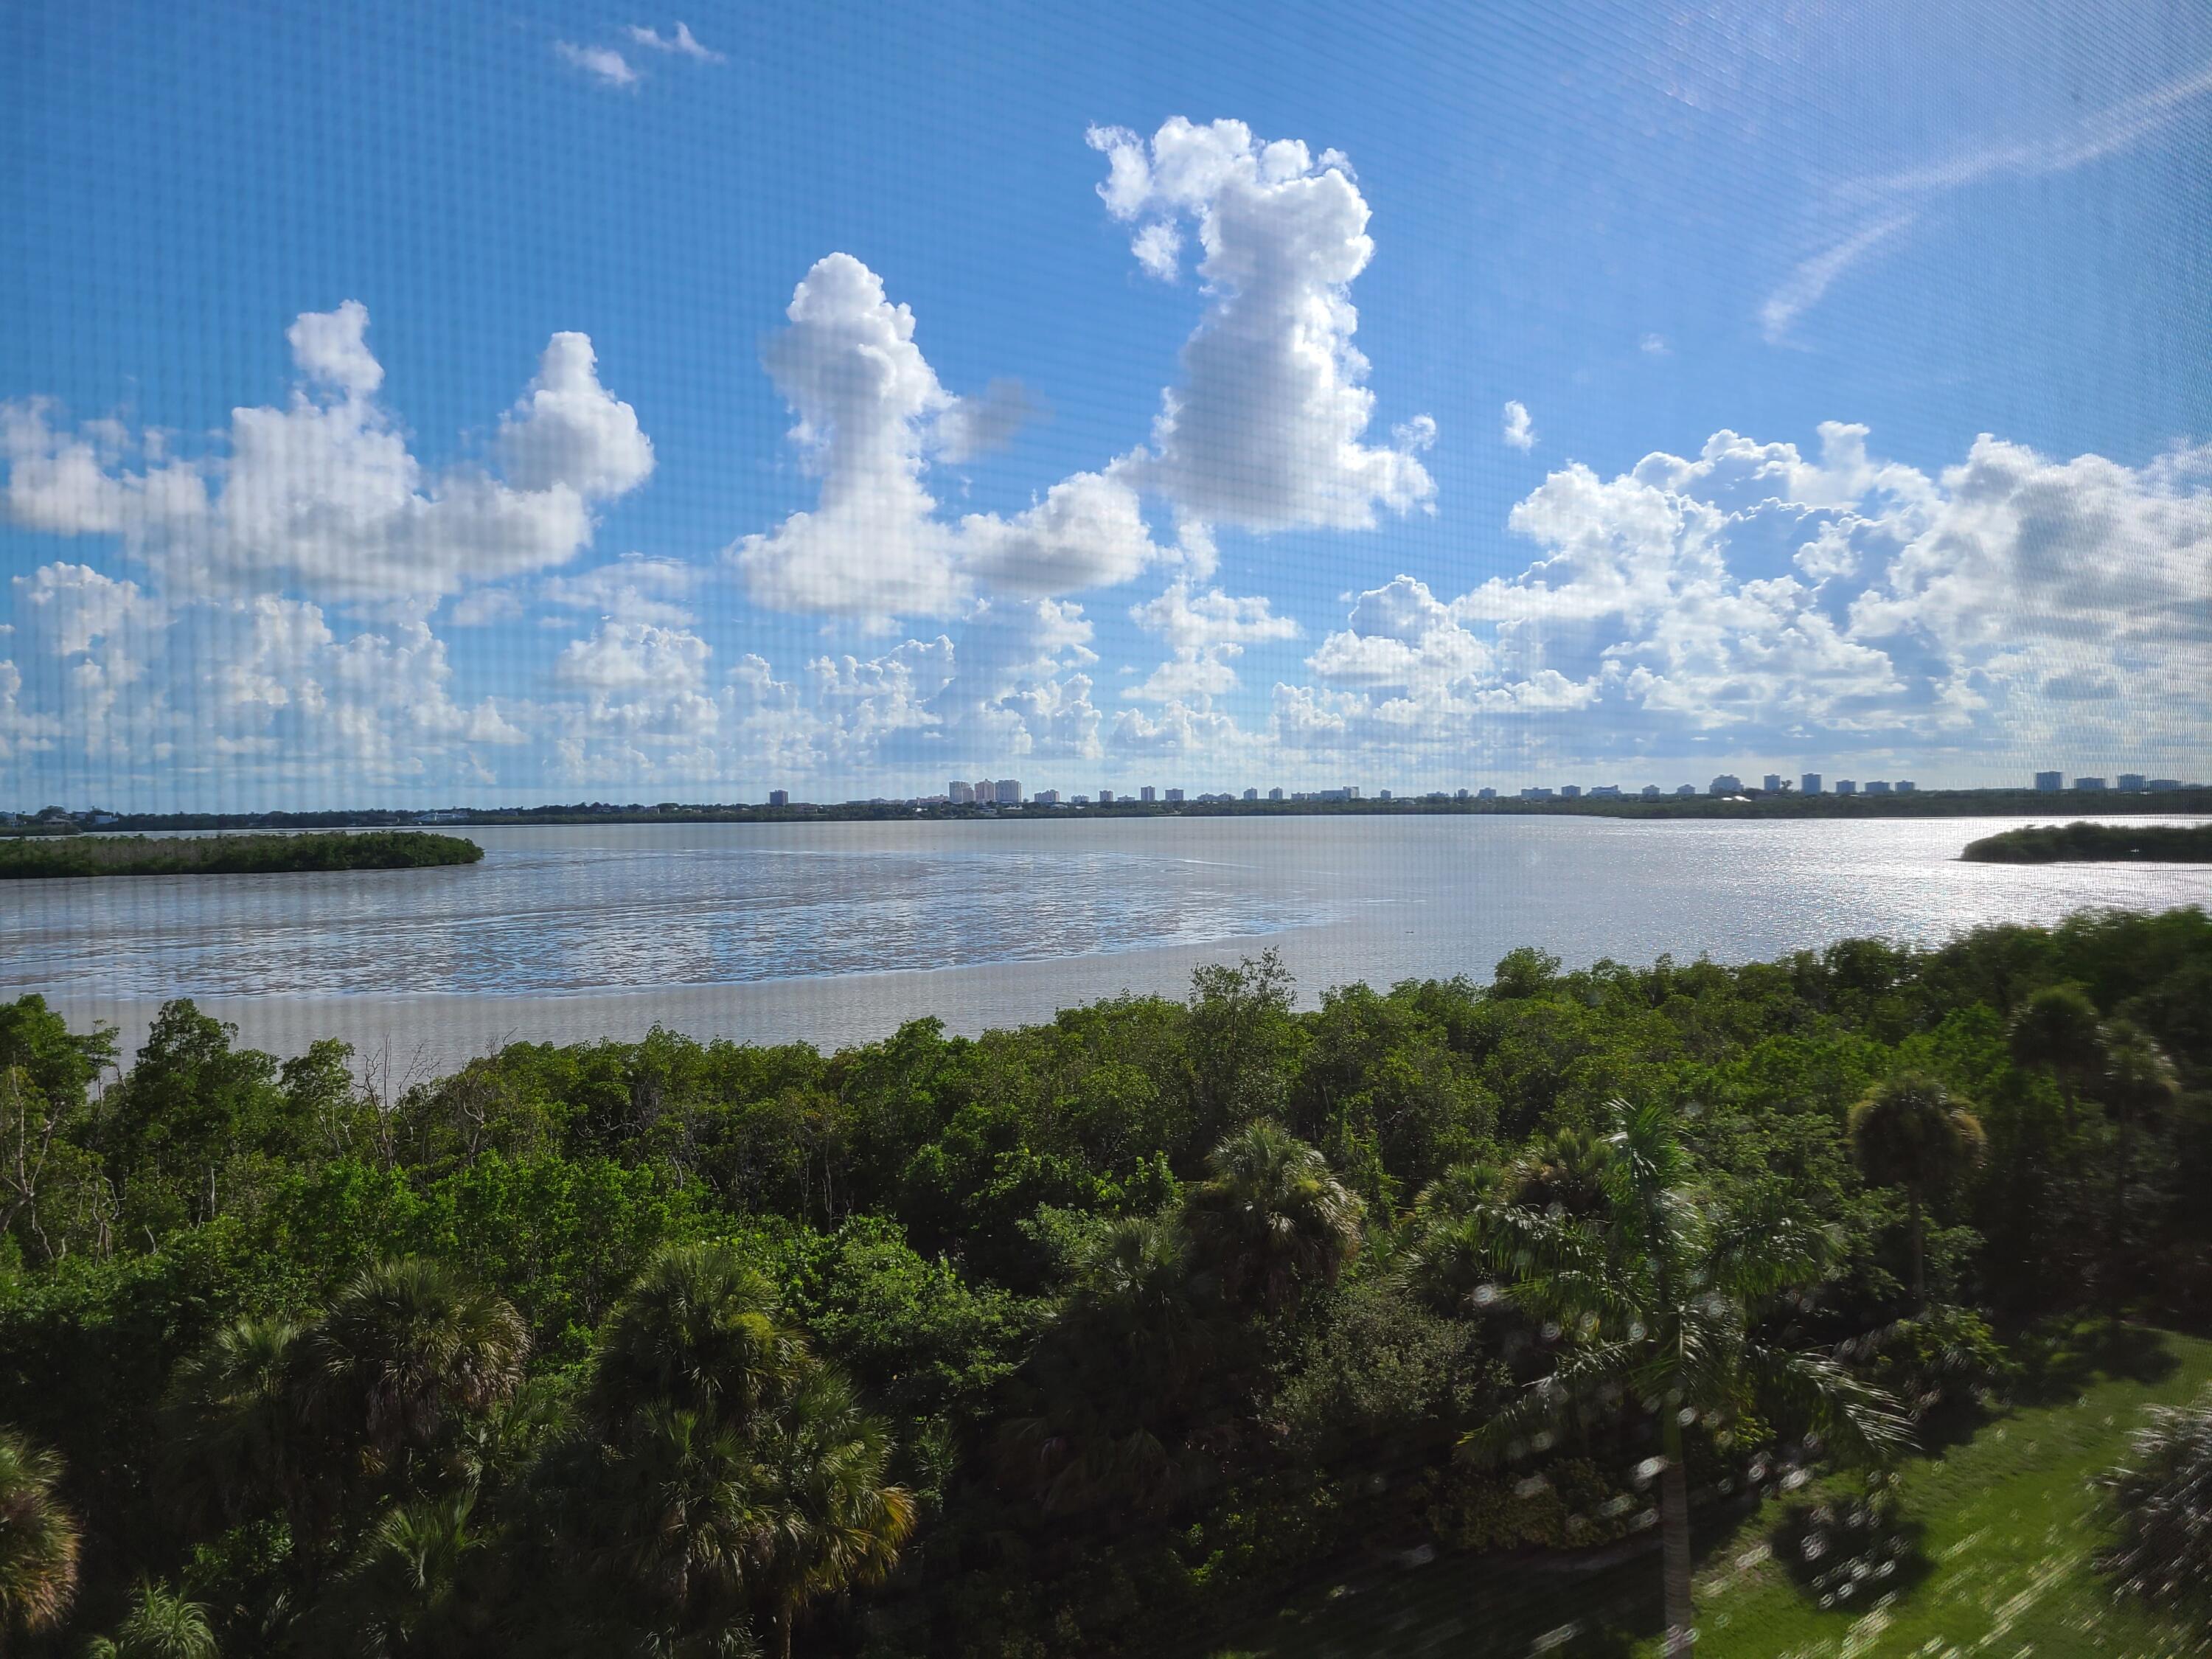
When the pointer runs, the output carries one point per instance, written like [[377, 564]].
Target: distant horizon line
[[1490, 797]]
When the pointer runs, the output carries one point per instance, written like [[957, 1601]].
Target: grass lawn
[[2004, 1525]]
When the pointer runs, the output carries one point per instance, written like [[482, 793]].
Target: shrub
[[2162, 1502]]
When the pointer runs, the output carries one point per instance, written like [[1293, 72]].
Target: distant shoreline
[[1931, 802], [67, 857]]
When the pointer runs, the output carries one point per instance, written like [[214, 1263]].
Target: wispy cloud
[[1802, 289], [2089, 139], [683, 43], [1883, 204], [603, 63]]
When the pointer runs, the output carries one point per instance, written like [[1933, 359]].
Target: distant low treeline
[[1755, 804], [2123, 843], [229, 856]]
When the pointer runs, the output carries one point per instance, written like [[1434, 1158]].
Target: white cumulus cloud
[[322, 493], [1268, 429], [870, 411]]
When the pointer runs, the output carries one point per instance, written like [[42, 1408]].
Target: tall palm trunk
[[1919, 1252], [2122, 1157], [1674, 1540]]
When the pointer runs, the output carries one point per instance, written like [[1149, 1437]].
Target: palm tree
[[2138, 1082], [405, 1350], [838, 1521], [1656, 1296], [233, 1433], [414, 1588], [678, 1514], [2057, 1029], [163, 1624], [1567, 1169], [1272, 1216], [38, 1540], [1909, 1133], [1114, 1380], [701, 1330]]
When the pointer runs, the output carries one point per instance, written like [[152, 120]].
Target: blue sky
[[583, 450]]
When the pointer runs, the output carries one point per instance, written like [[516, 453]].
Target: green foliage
[[1571, 1503], [163, 1624], [1104, 1326], [1271, 1219], [908, 1328], [1948, 1358]]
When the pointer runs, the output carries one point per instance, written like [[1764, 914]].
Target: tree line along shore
[[34, 857], [1109, 1334]]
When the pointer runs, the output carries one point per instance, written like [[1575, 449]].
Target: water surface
[[837, 931]]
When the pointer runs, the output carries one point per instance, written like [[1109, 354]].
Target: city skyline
[[1210, 418]]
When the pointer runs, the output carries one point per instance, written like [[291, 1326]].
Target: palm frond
[[1857, 1422], [1585, 1381]]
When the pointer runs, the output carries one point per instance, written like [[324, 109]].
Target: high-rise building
[[2089, 783], [2049, 783], [1485, 794], [1906, 785], [1148, 793], [1809, 784], [1845, 786], [1008, 791], [778, 797], [1351, 791], [1275, 794], [1725, 784], [1650, 792], [1383, 794], [2131, 781], [1535, 791], [1045, 797], [1771, 783], [1251, 794], [1605, 792], [961, 794], [1570, 792], [1174, 796], [1687, 789], [1877, 787], [986, 792], [1105, 797]]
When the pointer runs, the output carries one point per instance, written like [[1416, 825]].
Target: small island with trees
[[27, 859], [2103, 844]]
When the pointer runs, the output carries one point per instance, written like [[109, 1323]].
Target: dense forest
[[1085, 1338], [35, 857]]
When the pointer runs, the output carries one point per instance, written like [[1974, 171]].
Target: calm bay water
[[837, 931]]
